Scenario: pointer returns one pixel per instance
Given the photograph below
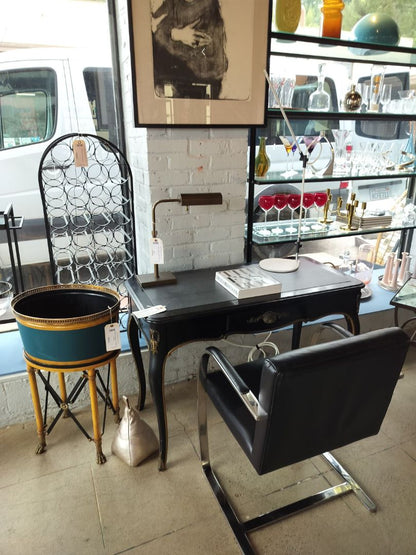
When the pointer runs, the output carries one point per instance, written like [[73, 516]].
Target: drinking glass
[[320, 200], [308, 202], [364, 90], [311, 141], [294, 149], [280, 202], [293, 201], [266, 203], [341, 137], [406, 100], [288, 143], [385, 97], [363, 268]]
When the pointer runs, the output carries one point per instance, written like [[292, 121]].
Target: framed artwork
[[199, 62]]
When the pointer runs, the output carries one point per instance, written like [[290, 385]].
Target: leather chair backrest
[[323, 397]]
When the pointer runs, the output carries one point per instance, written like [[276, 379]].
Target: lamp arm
[[154, 232]]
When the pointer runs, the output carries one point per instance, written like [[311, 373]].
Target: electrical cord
[[259, 348]]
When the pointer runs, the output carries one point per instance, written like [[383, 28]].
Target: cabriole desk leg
[[37, 408], [95, 416], [133, 335]]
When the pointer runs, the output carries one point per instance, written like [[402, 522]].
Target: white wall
[[169, 161]]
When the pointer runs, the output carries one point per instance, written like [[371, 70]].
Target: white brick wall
[[167, 162]]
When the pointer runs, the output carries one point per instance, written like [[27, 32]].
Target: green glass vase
[[262, 161]]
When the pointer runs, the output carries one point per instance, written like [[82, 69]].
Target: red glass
[[266, 202], [320, 199], [308, 200], [293, 201], [280, 201]]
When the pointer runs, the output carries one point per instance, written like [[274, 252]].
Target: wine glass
[[311, 141], [280, 202], [293, 201], [385, 97], [266, 203], [288, 144], [294, 148], [320, 200], [5, 295], [308, 202], [363, 268]]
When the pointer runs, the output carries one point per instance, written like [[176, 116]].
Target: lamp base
[[149, 280], [279, 265]]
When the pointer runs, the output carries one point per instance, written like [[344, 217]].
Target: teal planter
[[63, 325]]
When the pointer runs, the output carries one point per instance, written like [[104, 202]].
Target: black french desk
[[199, 309]]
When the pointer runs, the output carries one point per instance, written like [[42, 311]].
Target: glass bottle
[[287, 15], [352, 100], [319, 101], [331, 19], [262, 161]]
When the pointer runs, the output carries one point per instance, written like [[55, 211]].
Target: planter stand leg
[[95, 416], [37, 408]]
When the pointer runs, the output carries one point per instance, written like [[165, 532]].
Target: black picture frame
[[215, 81]]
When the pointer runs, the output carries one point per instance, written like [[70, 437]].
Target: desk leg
[[133, 335], [353, 323], [156, 382], [296, 333]]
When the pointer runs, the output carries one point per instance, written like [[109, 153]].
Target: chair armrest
[[237, 383], [334, 327]]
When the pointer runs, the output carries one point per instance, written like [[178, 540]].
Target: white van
[[44, 94]]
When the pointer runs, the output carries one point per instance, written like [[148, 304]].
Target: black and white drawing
[[199, 62]]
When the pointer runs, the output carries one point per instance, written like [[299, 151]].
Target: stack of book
[[248, 281]]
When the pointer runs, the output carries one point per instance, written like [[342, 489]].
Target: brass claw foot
[[101, 458], [41, 448]]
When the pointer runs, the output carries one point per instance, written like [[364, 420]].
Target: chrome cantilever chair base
[[242, 528]]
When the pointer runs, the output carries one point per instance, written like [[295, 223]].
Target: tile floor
[[62, 502]]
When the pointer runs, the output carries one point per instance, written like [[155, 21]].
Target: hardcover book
[[248, 281]]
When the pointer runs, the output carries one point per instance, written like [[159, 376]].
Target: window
[[99, 85], [27, 107]]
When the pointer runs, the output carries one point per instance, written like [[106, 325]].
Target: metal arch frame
[[127, 209]]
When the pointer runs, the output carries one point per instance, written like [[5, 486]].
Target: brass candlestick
[[351, 208], [325, 219], [363, 209]]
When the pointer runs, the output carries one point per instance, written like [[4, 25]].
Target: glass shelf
[[328, 231], [306, 46], [276, 177], [297, 114]]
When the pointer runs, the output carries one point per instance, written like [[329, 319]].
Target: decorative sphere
[[377, 28]]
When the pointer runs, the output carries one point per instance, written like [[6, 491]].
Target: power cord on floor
[[259, 348]]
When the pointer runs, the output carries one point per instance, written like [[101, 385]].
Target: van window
[[27, 106], [99, 86]]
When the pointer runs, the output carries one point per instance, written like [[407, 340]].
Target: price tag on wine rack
[[80, 153]]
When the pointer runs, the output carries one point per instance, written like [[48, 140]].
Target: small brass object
[[325, 219]]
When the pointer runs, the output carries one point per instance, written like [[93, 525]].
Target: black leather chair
[[300, 404]]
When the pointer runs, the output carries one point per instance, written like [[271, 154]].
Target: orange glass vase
[[331, 20]]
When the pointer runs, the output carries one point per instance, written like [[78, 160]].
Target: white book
[[248, 281]]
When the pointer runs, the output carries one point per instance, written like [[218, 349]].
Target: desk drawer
[[259, 319]]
